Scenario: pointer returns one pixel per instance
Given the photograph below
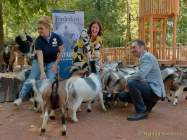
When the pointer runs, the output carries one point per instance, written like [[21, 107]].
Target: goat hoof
[[42, 130], [63, 133], [89, 110], [93, 101], [75, 120], [52, 117], [108, 107], [175, 104], [126, 104], [104, 109]]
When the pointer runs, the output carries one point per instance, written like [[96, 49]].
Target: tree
[[1, 26], [128, 33]]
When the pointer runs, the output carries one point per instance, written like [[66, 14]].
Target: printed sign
[[68, 24]]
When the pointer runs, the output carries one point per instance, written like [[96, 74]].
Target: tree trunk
[[128, 33], [1, 26]]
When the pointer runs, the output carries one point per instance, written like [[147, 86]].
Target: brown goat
[[9, 57]]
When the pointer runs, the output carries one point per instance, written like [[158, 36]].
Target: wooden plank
[[163, 7], [174, 36]]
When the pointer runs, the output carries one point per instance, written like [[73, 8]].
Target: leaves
[[21, 15]]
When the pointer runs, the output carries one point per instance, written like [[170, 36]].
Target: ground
[[166, 122]]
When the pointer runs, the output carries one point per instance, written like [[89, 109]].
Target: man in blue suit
[[146, 86]]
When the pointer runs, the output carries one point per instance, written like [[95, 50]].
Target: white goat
[[83, 90]]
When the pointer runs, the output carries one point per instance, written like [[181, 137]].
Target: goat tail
[[68, 88], [54, 95]]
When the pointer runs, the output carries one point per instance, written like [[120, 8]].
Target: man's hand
[[89, 55]]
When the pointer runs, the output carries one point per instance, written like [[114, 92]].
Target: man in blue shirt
[[146, 85]]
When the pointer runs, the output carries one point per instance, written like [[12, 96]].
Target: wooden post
[[151, 33], [143, 29], [161, 39], [154, 44], [140, 28], [174, 37], [164, 39]]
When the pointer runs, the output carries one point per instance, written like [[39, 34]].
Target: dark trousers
[[140, 94]]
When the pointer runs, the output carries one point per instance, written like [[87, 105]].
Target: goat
[[83, 90], [115, 81], [179, 84], [9, 57], [47, 98], [50, 96], [174, 84]]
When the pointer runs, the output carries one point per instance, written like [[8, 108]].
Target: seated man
[[146, 86]]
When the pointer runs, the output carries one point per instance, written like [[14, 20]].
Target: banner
[[68, 24]]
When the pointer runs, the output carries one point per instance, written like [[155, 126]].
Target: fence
[[118, 54], [168, 56]]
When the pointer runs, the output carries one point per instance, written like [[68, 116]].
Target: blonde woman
[[49, 50]]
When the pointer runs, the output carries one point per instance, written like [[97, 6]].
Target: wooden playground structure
[[155, 17]]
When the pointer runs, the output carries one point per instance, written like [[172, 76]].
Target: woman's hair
[[46, 21], [100, 27]]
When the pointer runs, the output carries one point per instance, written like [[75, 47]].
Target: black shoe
[[137, 116]]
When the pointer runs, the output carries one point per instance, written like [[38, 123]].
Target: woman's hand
[[89, 55], [43, 76], [54, 67]]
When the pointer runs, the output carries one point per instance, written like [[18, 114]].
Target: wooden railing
[[118, 54], [168, 56]]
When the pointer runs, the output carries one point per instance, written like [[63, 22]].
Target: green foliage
[[182, 23], [22, 15]]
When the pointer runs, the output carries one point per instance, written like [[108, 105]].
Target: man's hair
[[139, 42]]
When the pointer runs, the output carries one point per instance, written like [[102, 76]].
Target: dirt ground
[[166, 122]]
